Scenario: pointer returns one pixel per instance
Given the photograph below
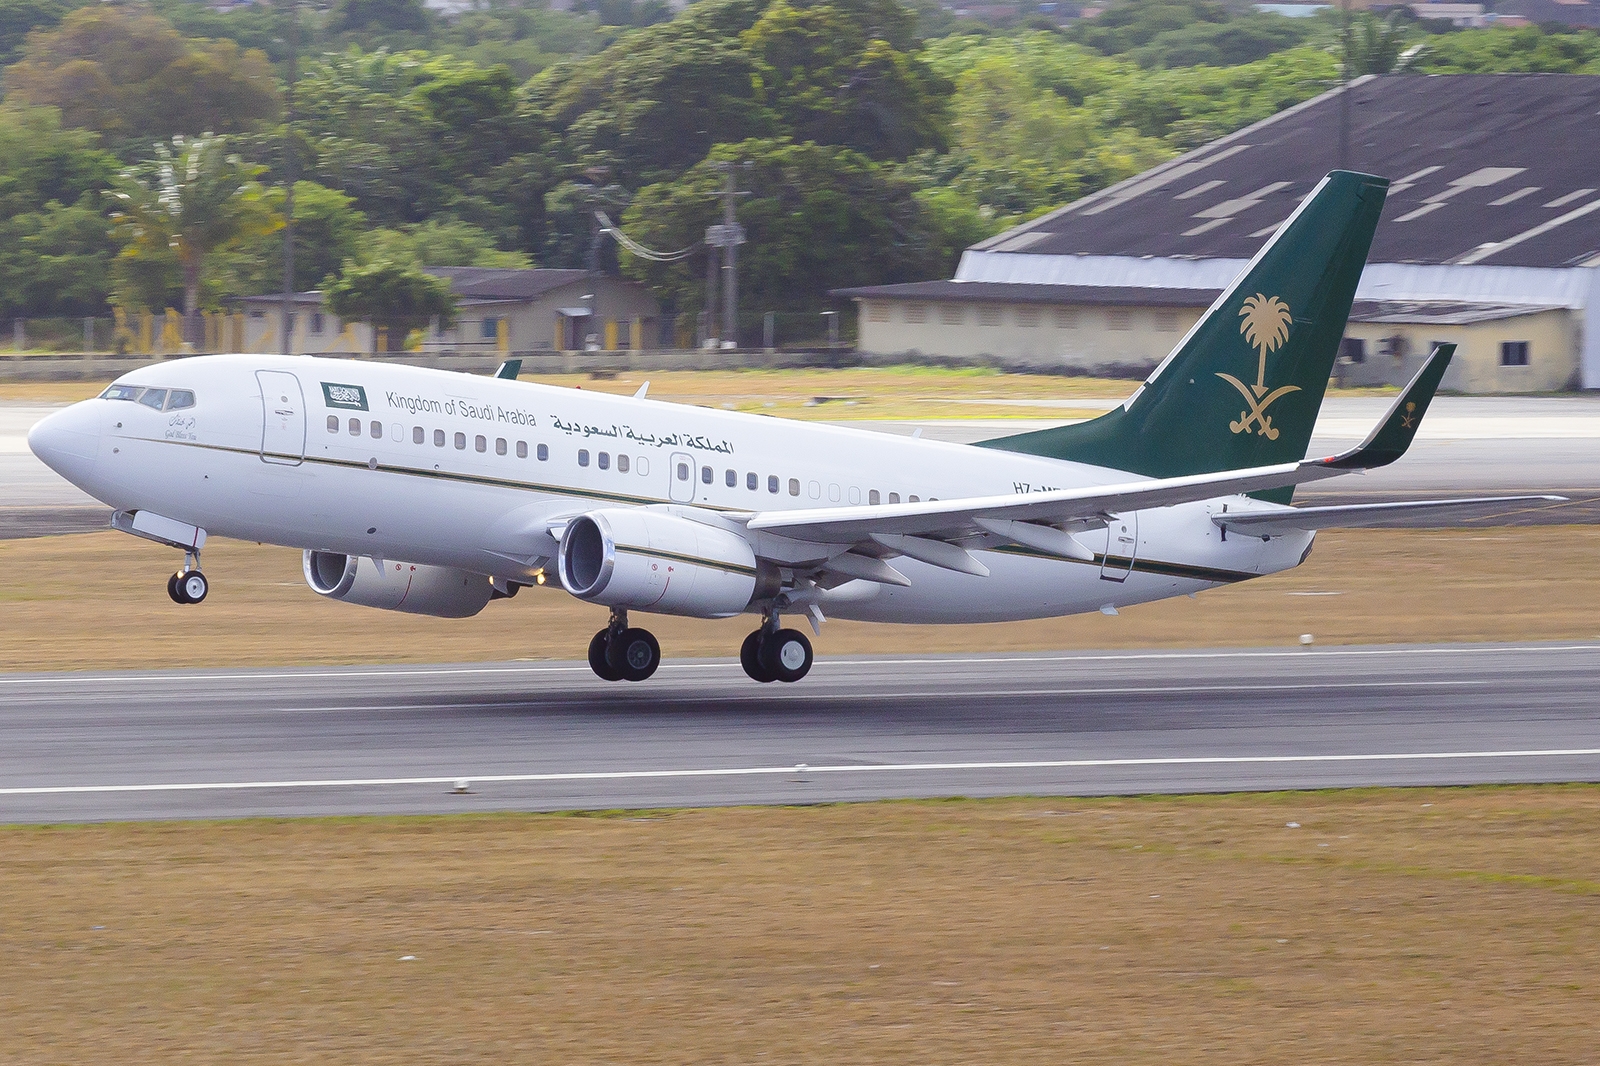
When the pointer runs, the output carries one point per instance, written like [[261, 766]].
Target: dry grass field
[[903, 392], [1412, 926], [99, 601]]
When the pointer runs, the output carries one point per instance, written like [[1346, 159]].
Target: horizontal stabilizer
[[1371, 515]]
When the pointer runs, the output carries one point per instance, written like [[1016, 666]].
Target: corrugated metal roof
[[1500, 170], [1003, 292], [500, 283]]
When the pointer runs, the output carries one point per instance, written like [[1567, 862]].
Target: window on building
[[544, 453], [916, 312], [1119, 318], [877, 312], [499, 445], [988, 316], [772, 483], [1066, 318], [490, 329], [583, 456], [1028, 317], [333, 423], [604, 461], [952, 314], [706, 475], [1513, 353], [794, 486], [1353, 350], [317, 322], [1166, 321], [461, 442], [622, 464], [418, 434], [438, 438]]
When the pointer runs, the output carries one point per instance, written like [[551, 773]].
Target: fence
[[143, 333]]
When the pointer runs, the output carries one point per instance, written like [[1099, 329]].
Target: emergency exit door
[[283, 418]]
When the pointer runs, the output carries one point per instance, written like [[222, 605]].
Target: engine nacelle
[[659, 562], [409, 587]]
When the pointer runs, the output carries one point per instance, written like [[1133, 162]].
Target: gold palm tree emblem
[[1265, 327]]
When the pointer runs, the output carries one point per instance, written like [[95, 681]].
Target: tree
[[131, 77], [397, 297], [327, 231], [439, 242], [194, 200], [18, 18], [54, 247]]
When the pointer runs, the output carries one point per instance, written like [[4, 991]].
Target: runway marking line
[[801, 770], [290, 674]]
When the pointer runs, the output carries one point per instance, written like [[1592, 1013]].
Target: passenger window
[[705, 475], [731, 478], [461, 442], [154, 398], [855, 494], [544, 453], [355, 427], [894, 497], [333, 423], [418, 435], [522, 449], [751, 481], [397, 431], [377, 430], [872, 498], [605, 461], [912, 499], [500, 446], [438, 438], [833, 493], [622, 464], [480, 443], [583, 456], [794, 486], [643, 466], [814, 489], [179, 399], [683, 471]]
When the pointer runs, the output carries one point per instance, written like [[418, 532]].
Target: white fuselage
[[471, 472]]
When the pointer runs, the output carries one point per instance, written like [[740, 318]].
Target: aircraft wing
[[1366, 515], [894, 525]]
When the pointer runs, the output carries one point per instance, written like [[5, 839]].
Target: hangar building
[[1490, 238]]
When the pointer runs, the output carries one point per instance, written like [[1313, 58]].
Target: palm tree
[[192, 200]]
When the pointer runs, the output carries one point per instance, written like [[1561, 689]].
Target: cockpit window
[[178, 399], [121, 392], [153, 398]]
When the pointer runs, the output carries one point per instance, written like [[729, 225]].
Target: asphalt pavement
[[546, 736]]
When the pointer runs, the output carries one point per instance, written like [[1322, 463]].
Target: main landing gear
[[188, 585], [621, 652], [773, 654]]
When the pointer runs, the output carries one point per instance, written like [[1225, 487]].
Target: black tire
[[193, 586], [597, 656], [633, 654], [172, 587], [750, 658], [786, 655]]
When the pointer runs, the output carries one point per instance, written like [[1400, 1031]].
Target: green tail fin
[[1243, 388]]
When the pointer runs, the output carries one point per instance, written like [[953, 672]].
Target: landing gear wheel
[[633, 654], [750, 659], [786, 655], [597, 657], [188, 586]]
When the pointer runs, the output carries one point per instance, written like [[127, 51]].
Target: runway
[[549, 736]]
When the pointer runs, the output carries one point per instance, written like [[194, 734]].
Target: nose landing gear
[[773, 654], [621, 652], [188, 585]]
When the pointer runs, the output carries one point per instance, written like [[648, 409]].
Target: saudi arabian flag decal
[[347, 397]]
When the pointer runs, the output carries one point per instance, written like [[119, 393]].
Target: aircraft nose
[[68, 441]]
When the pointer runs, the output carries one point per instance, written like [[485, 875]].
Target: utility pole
[[292, 38], [728, 235]]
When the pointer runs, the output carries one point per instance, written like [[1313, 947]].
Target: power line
[[609, 227]]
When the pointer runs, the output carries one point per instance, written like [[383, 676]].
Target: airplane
[[435, 492]]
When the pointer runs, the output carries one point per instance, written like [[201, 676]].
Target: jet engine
[[409, 587], [659, 562]]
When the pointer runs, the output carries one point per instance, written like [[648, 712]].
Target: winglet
[[509, 369], [1399, 427]]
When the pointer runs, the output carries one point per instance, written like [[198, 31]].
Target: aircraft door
[[1122, 545], [681, 472], [283, 413]]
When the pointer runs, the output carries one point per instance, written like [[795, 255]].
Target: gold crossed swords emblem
[[1265, 327]]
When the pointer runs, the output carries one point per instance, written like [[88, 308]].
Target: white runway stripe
[[802, 770]]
